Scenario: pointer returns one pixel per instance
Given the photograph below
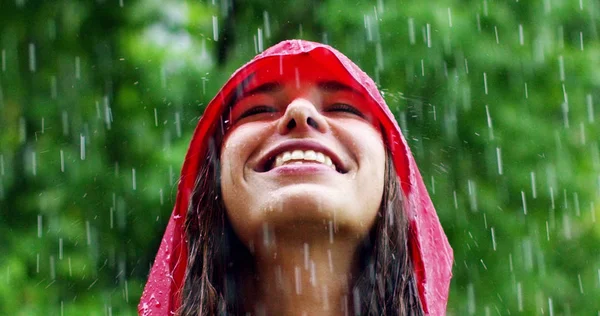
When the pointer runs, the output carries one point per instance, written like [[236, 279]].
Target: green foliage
[[498, 101]]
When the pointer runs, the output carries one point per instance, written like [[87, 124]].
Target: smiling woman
[[299, 196]]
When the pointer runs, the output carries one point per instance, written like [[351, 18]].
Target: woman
[[299, 195]]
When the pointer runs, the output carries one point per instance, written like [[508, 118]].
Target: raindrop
[[330, 260], [581, 40], [567, 226], [107, 113], [565, 111], [449, 17], [478, 22], [561, 67], [428, 35], [367, 25], [39, 219], [60, 248], [1, 165], [356, 301], [493, 238], [411, 31], [267, 24], [524, 201], [330, 232], [88, 233], [547, 231], [496, 32], [178, 124], [34, 163], [552, 197], [510, 262], [466, 66], [499, 160], [533, 187], [580, 283], [471, 298], [126, 292], [313, 276], [576, 198], [581, 5], [82, 146], [32, 57], [306, 256], [455, 200], [297, 275], [472, 195], [37, 263], [521, 39], [112, 218], [590, 108], [325, 298], [160, 192], [215, 23], [520, 296], [547, 6], [593, 211], [550, 307], [526, 91], [133, 178], [485, 86], [422, 68]]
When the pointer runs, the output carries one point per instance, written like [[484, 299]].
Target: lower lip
[[305, 168]]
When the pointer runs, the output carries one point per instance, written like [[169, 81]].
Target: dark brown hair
[[220, 266]]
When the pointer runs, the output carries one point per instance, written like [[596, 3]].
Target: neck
[[305, 273]]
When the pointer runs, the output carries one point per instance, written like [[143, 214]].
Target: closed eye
[[344, 108], [257, 110]]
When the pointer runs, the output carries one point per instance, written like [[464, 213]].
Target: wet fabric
[[431, 253]]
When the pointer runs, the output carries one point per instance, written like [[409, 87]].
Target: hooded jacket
[[431, 253]]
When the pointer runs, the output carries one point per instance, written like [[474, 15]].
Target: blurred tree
[[98, 101]]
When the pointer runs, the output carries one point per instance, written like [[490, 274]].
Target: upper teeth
[[300, 155]]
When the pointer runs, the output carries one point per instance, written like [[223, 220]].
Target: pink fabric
[[431, 253]]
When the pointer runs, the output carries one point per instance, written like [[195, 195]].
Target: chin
[[314, 205]]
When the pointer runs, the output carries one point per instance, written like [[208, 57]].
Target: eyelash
[[257, 110], [346, 108], [267, 109]]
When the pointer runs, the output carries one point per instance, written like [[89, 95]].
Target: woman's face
[[302, 152]]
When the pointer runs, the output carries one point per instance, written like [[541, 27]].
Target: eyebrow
[[332, 86]]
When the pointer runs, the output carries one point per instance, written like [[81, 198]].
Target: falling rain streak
[[133, 182], [499, 160], [32, 61], [82, 147], [215, 24]]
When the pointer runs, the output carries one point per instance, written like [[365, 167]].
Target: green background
[[499, 101]]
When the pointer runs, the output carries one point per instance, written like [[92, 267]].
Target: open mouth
[[301, 157]]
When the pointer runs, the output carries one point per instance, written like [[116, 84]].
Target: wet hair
[[221, 268]]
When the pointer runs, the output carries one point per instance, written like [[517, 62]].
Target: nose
[[302, 115]]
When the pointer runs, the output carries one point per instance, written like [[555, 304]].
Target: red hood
[[431, 253]]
